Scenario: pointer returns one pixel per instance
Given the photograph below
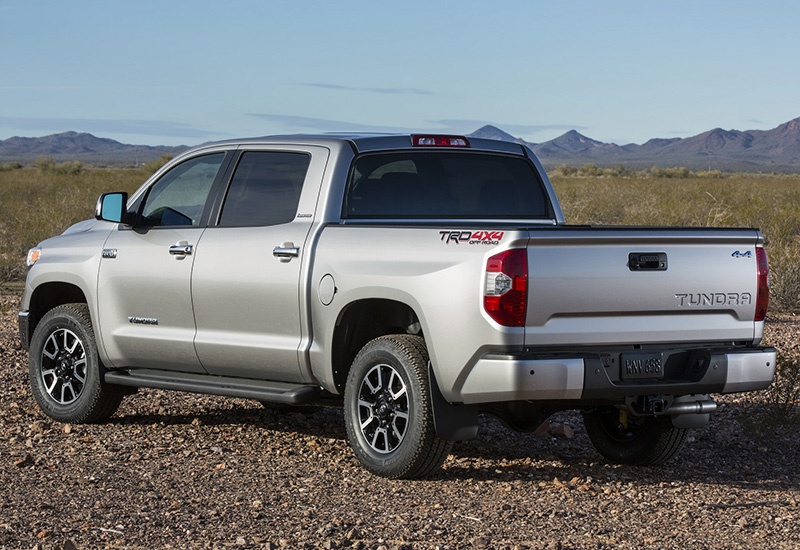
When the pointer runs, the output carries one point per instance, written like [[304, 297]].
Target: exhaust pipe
[[705, 406]]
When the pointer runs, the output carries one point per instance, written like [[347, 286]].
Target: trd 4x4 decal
[[471, 237]]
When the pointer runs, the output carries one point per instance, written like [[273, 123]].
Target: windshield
[[444, 185]]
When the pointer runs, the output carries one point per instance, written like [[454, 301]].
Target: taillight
[[505, 294], [439, 141], [762, 299]]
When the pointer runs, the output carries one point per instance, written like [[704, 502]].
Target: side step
[[261, 390]]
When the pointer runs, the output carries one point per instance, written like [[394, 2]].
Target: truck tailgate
[[598, 286]]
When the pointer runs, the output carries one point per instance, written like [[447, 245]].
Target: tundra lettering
[[714, 299]]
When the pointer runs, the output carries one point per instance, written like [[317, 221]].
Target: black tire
[[628, 439], [66, 374], [388, 412]]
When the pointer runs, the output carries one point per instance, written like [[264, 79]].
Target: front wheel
[[65, 371], [388, 411], [627, 439]]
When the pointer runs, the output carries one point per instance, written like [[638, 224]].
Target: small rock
[[27, 461], [742, 523], [241, 541], [67, 429], [562, 430], [69, 545], [544, 429], [481, 543]]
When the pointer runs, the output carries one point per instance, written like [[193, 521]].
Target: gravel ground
[[175, 470]]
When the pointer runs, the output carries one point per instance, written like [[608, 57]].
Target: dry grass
[[36, 204]]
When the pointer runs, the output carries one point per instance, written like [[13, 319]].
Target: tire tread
[[103, 399], [429, 455]]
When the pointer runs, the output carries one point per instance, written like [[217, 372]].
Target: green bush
[[45, 163], [71, 167], [8, 166], [153, 166]]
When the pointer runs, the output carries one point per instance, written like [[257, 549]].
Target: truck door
[[144, 282], [246, 284]]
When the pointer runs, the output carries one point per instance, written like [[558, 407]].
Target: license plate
[[642, 366]]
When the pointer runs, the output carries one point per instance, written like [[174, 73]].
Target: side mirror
[[111, 207]]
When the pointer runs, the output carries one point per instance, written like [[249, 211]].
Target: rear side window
[[441, 185], [265, 189]]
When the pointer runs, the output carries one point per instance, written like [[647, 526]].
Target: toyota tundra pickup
[[417, 280]]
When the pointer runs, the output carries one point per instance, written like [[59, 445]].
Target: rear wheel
[[626, 439], [388, 412], [65, 372]]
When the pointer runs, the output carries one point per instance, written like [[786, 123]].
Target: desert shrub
[[591, 170], [152, 166], [45, 163], [565, 170], [70, 167], [8, 166], [674, 172]]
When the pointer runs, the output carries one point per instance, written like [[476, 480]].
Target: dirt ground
[[175, 470]]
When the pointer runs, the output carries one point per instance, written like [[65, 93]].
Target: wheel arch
[[50, 295], [362, 321]]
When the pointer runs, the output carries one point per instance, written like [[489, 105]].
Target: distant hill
[[775, 150], [732, 150], [80, 146]]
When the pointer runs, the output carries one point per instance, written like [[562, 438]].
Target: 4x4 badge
[[109, 253], [738, 254]]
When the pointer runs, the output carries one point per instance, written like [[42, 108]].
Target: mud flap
[[453, 422]]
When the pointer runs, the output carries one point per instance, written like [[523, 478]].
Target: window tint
[[457, 185], [179, 196], [265, 189]]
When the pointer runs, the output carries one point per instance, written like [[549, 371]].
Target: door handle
[[180, 249], [286, 252]]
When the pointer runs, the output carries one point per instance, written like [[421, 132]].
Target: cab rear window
[[444, 185]]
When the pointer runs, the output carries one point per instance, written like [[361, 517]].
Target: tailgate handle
[[647, 261]]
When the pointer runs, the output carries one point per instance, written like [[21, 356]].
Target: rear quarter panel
[[441, 281]]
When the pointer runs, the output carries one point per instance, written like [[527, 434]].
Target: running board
[[261, 390]]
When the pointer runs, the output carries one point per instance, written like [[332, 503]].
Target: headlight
[[33, 256]]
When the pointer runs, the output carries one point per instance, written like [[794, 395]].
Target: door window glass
[[265, 189], [178, 197]]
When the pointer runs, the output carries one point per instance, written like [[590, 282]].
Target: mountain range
[[776, 150], [732, 150], [80, 146]]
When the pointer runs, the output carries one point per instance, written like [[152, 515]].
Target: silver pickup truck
[[418, 280]]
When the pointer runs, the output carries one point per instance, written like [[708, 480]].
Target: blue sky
[[188, 72]]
